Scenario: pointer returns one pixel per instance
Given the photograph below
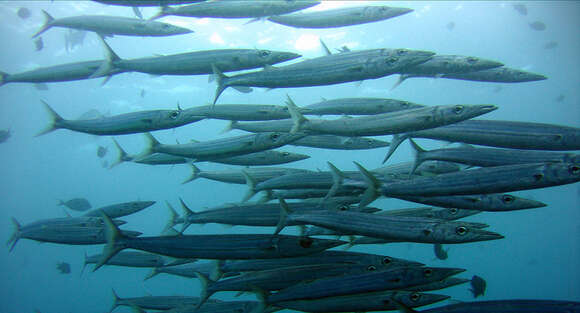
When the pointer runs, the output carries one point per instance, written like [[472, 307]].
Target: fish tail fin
[[251, 182], [395, 142], [402, 307], [154, 271], [3, 76], [284, 212], [194, 174], [262, 296], [116, 300], [151, 145], [297, 117], [205, 284], [188, 215], [373, 183], [337, 177], [163, 11], [325, 47], [84, 263], [122, 155], [137, 309], [268, 195], [231, 125], [107, 66], [15, 235], [47, 24], [137, 12], [55, 120], [216, 272], [402, 78], [221, 82], [113, 246], [173, 217], [419, 152]]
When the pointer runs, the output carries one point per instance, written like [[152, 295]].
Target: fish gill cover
[[449, 54]]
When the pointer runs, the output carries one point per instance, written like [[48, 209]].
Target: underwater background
[[538, 259]]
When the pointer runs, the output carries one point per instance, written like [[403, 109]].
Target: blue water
[[539, 258]]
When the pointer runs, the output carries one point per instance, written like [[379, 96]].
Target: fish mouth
[[488, 64], [399, 11], [287, 56], [483, 235], [486, 108], [448, 272]]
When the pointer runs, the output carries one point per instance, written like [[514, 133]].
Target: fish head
[[383, 12], [274, 57], [460, 112], [140, 205], [437, 167], [478, 64], [461, 232], [180, 117], [276, 139], [384, 262], [520, 75], [167, 29], [399, 104], [507, 202], [416, 299], [317, 244], [395, 60], [292, 157], [560, 173]]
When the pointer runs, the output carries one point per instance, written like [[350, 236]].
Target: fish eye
[[574, 169], [461, 230], [285, 153], [453, 211], [405, 104], [427, 272], [472, 60], [174, 115], [391, 60], [538, 176], [371, 268], [306, 242], [402, 51], [264, 53], [275, 136], [415, 297], [343, 207], [387, 260], [458, 109], [507, 199], [165, 26]]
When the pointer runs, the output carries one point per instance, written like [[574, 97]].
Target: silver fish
[[339, 142], [120, 209], [155, 302], [76, 204], [237, 176], [357, 106], [129, 259], [112, 25], [484, 202], [339, 17], [498, 75], [505, 306]]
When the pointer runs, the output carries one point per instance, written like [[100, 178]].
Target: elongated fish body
[[394, 122], [129, 259], [486, 157], [399, 228], [81, 221], [222, 148], [70, 235], [381, 262], [329, 69], [241, 112], [339, 142], [113, 25], [225, 307], [339, 17], [364, 302], [160, 159], [483, 202], [394, 279], [502, 134], [237, 176], [188, 270], [284, 125], [498, 75], [400, 170], [146, 3], [200, 62], [310, 193], [312, 180], [155, 302], [357, 106], [56, 73], [280, 278], [487, 180], [446, 283], [128, 123], [238, 8], [448, 64], [508, 306], [219, 247], [120, 209], [270, 157]]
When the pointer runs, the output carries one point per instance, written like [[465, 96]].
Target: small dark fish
[[537, 25], [560, 98], [551, 45], [38, 44], [101, 151], [440, 253], [23, 13], [76, 204], [478, 285], [142, 93], [4, 135], [63, 267], [450, 25], [521, 8]]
